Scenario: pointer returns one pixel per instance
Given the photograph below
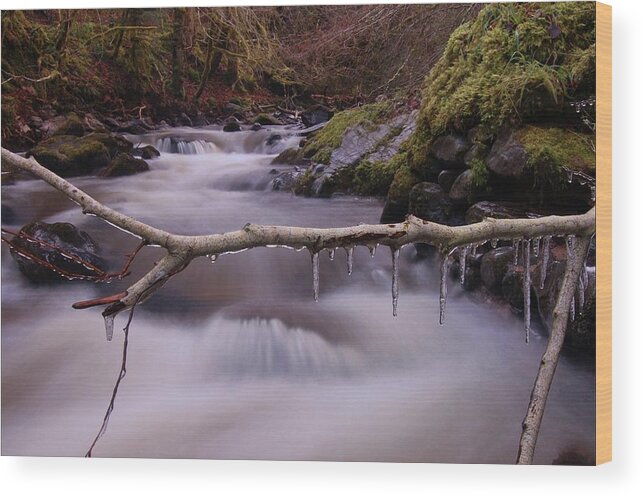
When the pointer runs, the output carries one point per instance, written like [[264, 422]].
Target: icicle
[[544, 261], [593, 192], [570, 176], [315, 261], [516, 245], [213, 258], [536, 245], [572, 310], [444, 269], [580, 294], [474, 249], [494, 243], [109, 327], [372, 249], [349, 259], [526, 288], [395, 285], [331, 254], [463, 263]]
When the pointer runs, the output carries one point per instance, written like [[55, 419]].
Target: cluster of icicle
[[522, 253]]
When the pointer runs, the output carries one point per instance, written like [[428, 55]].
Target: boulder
[[446, 179], [63, 236], [493, 267], [508, 157], [450, 150], [91, 123], [285, 181], [147, 152], [272, 139], [429, 202], [68, 155], [394, 211], [316, 115], [231, 126], [462, 190], [125, 165], [70, 124], [291, 156], [266, 120]]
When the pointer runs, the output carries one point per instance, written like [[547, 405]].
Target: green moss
[[558, 148], [321, 145], [403, 180], [514, 61], [479, 173], [304, 183], [375, 178], [266, 119]]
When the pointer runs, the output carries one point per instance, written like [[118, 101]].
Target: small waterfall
[[171, 145]]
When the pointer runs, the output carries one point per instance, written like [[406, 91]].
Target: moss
[[403, 180], [266, 119], [321, 145], [514, 61], [375, 178], [303, 184], [71, 126], [479, 173], [559, 148]]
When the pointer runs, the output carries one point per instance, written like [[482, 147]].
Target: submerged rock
[[64, 236], [292, 157], [231, 127], [125, 165], [316, 115], [147, 152]]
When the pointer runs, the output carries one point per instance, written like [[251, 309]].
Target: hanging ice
[[544, 261], [516, 246], [494, 243], [109, 327], [213, 258], [315, 260], [444, 269], [572, 310], [395, 285], [526, 288], [349, 259], [331, 254], [463, 263], [580, 294], [372, 249], [536, 245]]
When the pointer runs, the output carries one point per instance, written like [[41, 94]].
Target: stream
[[235, 360]]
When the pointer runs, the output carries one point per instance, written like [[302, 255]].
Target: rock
[[231, 127], [450, 150], [285, 181], [147, 152], [231, 108], [291, 156], [497, 210], [68, 155], [63, 236], [316, 115], [394, 211], [386, 149], [125, 165], [429, 202], [322, 186], [462, 190], [185, 120], [266, 120], [493, 267], [70, 125], [256, 127], [507, 158], [512, 287], [357, 142], [200, 120], [272, 139], [446, 179]]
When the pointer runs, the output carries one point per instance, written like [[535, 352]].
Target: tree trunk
[[176, 84], [119, 36]]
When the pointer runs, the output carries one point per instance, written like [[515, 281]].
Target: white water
[[236, 360]]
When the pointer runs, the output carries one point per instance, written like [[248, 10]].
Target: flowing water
[[236, 360]]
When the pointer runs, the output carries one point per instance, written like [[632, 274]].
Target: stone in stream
[[147, 152], [429, 202], [64, 236], [316, 115], [493, 267], [125, 165]]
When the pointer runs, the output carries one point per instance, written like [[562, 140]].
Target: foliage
[[374, 178], [479, 173], [513, 62]]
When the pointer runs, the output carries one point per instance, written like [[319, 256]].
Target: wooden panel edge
[[603, 233]]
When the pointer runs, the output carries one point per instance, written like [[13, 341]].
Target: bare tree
[[181, 250]]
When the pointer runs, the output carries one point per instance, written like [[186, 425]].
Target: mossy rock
[[321, 145], [72, 125], [543, 154], [125, 165], [68, 155], [514, 63], [266, 119], [291, 156]]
